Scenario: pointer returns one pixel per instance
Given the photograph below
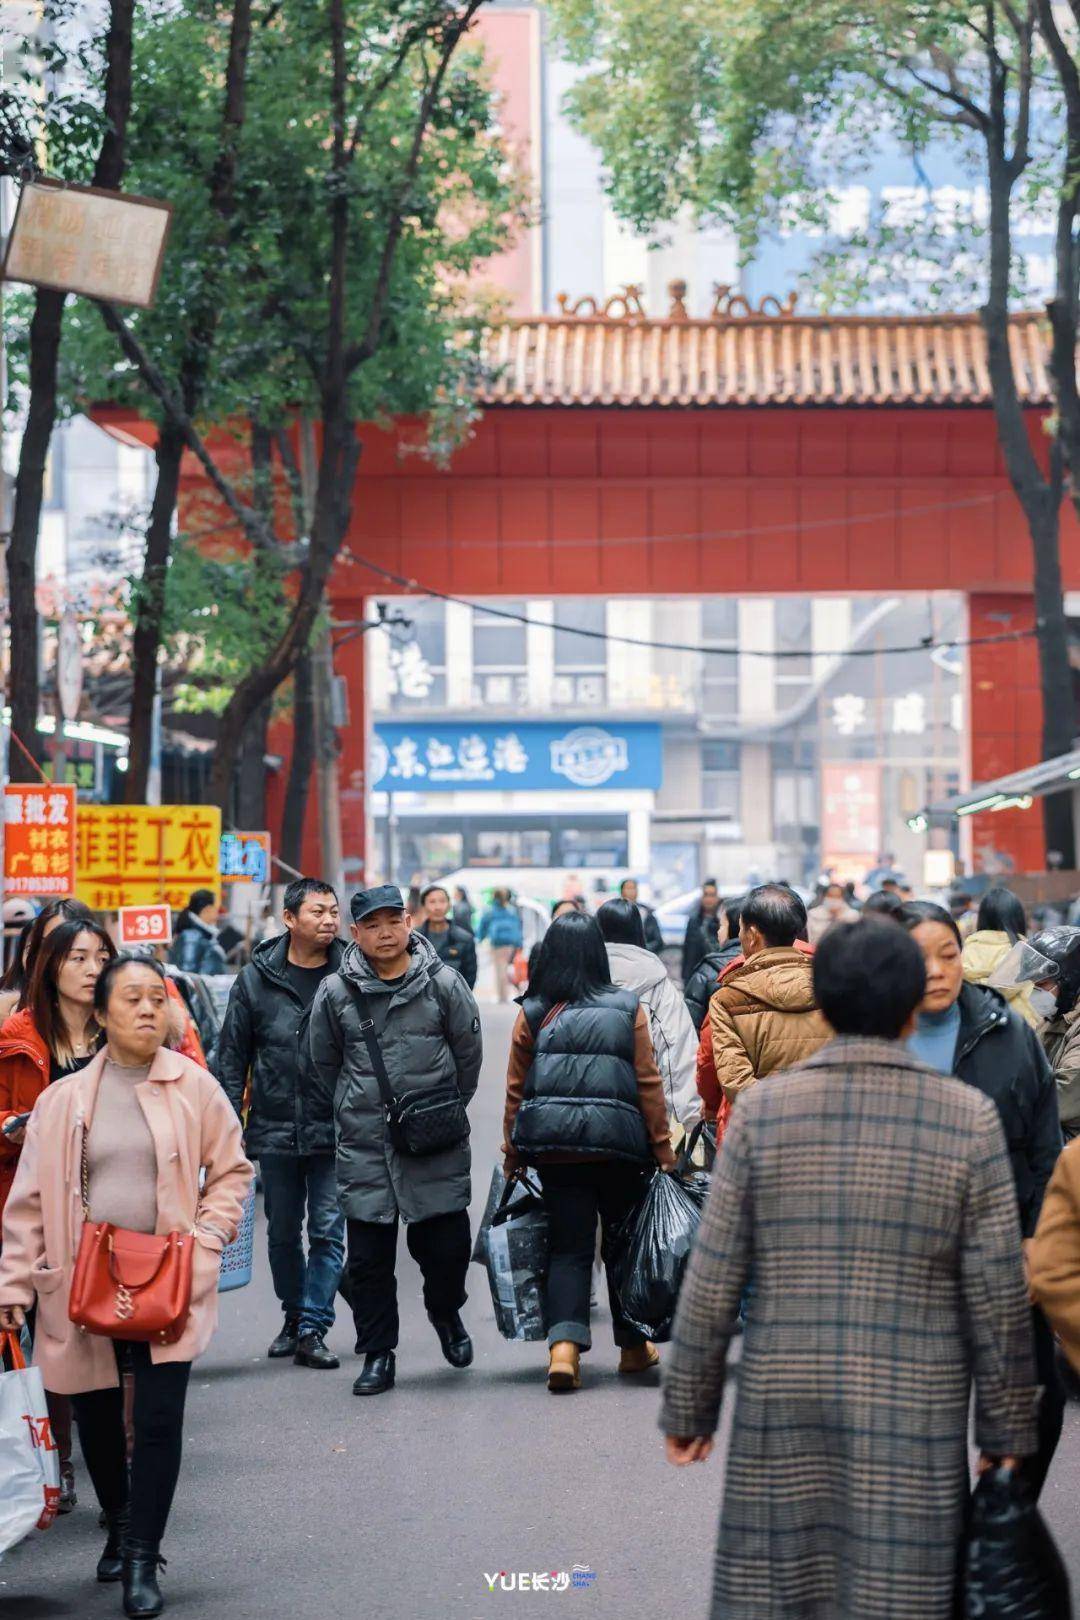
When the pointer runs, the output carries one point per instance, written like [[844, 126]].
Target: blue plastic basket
[[237, 1257]]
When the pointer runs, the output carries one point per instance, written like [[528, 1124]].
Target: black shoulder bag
[[430, 1119]]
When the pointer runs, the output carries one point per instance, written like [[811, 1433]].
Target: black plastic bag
[[1012, 1569], [651, 1251], [516, 1254]]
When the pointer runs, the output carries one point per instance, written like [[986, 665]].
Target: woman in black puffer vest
[[585, 1105]]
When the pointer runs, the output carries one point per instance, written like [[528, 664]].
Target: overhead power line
[[925, 644]]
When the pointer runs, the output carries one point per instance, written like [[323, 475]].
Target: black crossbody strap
[[371, 1041]]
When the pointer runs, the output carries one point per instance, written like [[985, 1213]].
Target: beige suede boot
[[638, 1358], [564, 1371]]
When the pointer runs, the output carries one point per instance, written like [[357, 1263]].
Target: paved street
[[297, 1499]]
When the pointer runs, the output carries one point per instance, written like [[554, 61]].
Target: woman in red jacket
[[53, 1035]]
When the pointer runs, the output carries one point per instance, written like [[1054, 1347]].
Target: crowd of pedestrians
[[844, 1059]]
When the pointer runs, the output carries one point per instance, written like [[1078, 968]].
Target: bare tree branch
[[452, 34], [254, 528]]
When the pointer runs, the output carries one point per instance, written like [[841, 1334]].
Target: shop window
[[500, 657], [720, 780], [795, 803], [530, 846], [720, 665], [592, 846], [793, 638], [580, 678]]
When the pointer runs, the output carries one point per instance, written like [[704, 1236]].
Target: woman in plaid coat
[[871, 1202]]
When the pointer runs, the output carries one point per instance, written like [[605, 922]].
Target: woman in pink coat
[[152, 1121]]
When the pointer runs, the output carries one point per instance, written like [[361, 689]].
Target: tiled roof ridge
[[621, 357]]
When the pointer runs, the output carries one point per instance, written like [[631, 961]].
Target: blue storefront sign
[[529, 756]]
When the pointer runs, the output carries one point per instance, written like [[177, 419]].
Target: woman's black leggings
[[160, 1389]]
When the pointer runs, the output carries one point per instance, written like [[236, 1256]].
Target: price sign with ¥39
[[145, 925]]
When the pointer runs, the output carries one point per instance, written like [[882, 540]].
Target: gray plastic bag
[[517, 1249]]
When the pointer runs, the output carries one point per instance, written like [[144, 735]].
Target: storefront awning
[[1013, 792]]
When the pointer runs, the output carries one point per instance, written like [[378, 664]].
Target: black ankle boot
[[377, 1375], [286, 1341], [110, 1564], [142, 1594], [457, 1347]]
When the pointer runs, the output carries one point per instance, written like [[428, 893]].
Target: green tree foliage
[[336, 174]]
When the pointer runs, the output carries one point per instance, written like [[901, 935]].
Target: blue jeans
[[305, 1286]]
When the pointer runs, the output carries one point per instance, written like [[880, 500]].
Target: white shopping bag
[[29, 1461]]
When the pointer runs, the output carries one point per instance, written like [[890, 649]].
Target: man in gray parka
[[427, 1026]]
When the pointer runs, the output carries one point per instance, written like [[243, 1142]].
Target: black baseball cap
[[387, 897]]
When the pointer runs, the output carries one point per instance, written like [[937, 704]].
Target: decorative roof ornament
[[621, 306], [677, 293], [626, 305], [728, 304]]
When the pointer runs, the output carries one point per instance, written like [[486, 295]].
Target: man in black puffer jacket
[[698, 989], [453, 945], [264, 1035]]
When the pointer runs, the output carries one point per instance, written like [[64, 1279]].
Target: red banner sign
[[39, 838], [850, 814]]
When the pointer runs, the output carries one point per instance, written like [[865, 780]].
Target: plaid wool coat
[[871, 1203]]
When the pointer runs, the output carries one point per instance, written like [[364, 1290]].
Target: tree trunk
[[1055, 672], [251, 775], [45, 332], [150, 609], [300, 766], [1039, 494], [45, 329]]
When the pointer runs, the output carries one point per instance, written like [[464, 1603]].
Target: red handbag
[[130, 1285]]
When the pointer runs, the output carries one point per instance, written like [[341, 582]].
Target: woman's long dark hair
[[1002, 912], [22, 963], [573, 961], [41, 997]]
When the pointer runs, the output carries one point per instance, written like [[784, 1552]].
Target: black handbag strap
[[371, 1041]]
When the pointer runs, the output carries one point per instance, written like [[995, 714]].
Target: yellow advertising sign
[[141, 854]]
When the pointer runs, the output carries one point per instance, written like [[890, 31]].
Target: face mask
[[1043, 1002]]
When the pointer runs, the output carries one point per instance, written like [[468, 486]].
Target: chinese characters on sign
[[39, 839], [139, 854], [907, 716], [410, 674], [100, 244], [470, 761], [245, 857], [524, 757]]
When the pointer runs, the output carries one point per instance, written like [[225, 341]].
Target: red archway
[[773, 454]]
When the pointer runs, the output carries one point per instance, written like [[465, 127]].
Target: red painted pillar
[[1006, 726]]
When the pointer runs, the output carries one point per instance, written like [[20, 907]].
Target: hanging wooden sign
[[103, 244]]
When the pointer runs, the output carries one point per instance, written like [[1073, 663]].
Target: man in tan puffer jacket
[[764, 1016]]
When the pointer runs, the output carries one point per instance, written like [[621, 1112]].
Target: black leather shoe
[[111, 1564], [378, 1374], [311, 1352], [457, 1347], [68, 1499], [142, 1594], [287, 1340]]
